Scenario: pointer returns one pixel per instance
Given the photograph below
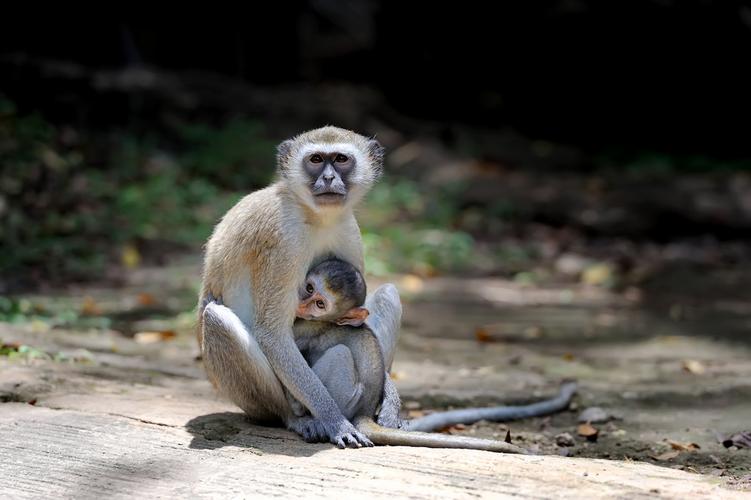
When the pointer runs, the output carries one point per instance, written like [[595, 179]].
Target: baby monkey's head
[[333, 291]]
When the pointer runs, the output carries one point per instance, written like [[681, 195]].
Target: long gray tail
[[398, 437], [444, 419]]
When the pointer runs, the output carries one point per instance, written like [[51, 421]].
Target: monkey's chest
[[327, 243]]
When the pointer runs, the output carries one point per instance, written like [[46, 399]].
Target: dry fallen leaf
[[412, 283], [39, 326], [598, 274], [146, 299], [153, 337], [587, 431], [130, 257], [411, 405], [455, 429], [694, 367], [682, 446], [595, 415], [533, 332], [564, 439], [569, 357], [90, 307], [483, 335], [668, 455]]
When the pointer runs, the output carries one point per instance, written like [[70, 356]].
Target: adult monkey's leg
[[385, 318], [237, 366]]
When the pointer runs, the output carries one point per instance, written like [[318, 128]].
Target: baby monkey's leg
[[384, 320], [336, 369]]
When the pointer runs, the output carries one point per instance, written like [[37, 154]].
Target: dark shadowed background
[[598, 113]]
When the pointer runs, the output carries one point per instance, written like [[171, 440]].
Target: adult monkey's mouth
[[329, 198]]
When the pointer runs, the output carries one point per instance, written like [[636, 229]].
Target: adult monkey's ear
[[283, 154], [376, 152], [354, 317]]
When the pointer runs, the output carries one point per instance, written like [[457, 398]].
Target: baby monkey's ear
[[354, 317]]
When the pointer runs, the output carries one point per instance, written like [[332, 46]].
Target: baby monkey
[[345, 354], [342, 351]]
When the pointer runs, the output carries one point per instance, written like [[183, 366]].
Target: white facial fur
[[360, 178]]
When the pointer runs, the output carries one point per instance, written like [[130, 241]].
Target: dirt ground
[[673, 382]]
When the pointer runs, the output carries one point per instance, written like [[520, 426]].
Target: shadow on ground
[[217, 430]]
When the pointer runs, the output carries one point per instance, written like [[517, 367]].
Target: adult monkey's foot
[[341, 433]]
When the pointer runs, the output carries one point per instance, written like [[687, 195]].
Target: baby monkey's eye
[[309, 288], [340, 158], [320, 304], [316, 158]]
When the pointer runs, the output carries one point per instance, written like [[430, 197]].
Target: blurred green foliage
[[24, 311], [71, 200], [658, 164], [406, 229], [225, 156], [24, 352]]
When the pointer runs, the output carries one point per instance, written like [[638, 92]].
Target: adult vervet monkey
[[258, 256]]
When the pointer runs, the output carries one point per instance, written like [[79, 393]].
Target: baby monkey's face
[[319, 303]]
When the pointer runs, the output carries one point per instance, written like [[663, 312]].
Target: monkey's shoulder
[[264, 205], [262, 218]]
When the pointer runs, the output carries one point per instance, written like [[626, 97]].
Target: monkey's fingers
[[310, 435], [360, 439], [320, 431], [364, 440], [352, 441], [309, 429]]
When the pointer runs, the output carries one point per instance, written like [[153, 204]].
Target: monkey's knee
[[389, 294], [385, 318], [220, 324], [385, 305], [238, 367]]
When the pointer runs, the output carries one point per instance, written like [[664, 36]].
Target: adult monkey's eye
[[316, 158], [309, 288], [340, 158], [320, 304]]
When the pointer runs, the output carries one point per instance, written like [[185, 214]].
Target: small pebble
[[595, 415], [564, 439]]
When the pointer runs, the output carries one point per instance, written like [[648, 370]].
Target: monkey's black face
[[329, 173]]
